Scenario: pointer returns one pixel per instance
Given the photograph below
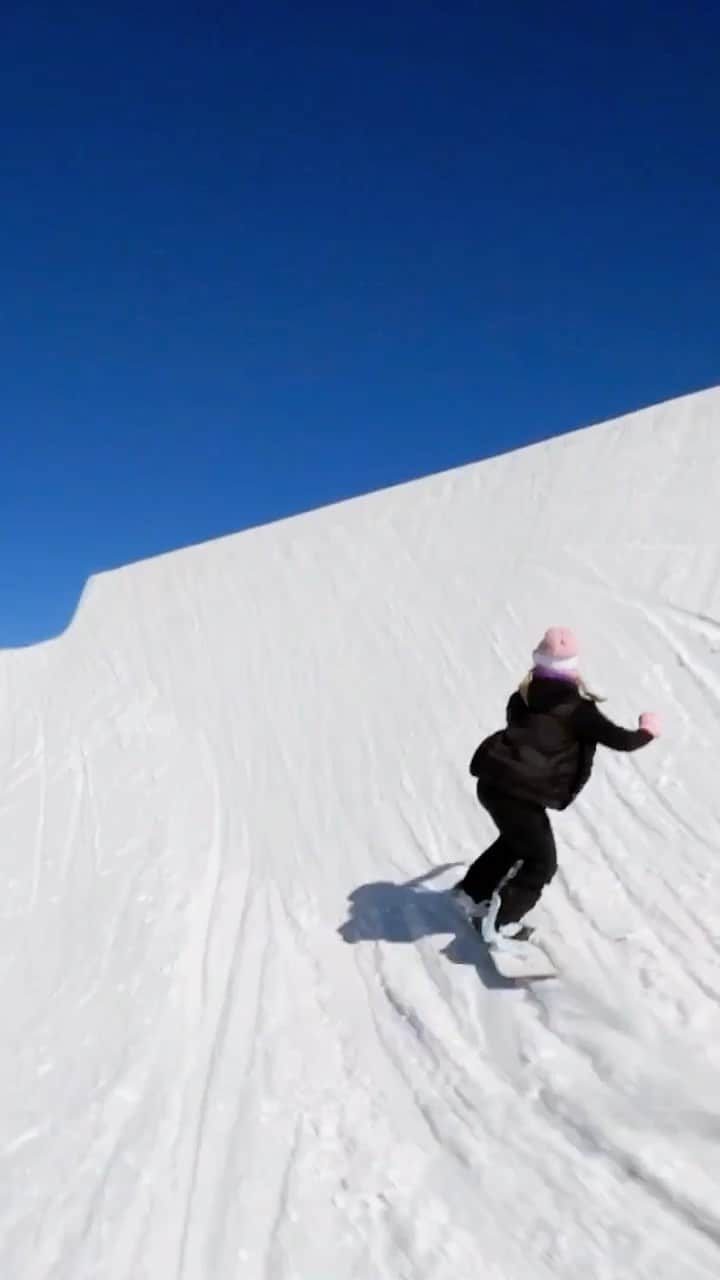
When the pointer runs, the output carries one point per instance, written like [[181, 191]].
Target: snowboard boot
[[504, 936], [517, 931]]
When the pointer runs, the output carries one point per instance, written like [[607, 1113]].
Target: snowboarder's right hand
[[650, 723]]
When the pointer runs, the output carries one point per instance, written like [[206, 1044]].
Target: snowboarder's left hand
[[650, 723]]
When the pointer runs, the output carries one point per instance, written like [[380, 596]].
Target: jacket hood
[[545, 692]]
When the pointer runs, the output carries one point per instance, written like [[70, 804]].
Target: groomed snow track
[[242, 1034]]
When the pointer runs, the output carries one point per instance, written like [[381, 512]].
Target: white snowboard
[[512, 959], [520, 960]]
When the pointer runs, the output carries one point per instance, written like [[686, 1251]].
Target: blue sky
[[259, 257]]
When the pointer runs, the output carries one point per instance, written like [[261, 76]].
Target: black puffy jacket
[[546, 752]]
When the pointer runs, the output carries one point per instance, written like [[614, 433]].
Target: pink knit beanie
[[558, 652]]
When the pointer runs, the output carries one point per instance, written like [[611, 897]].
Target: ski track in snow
[[245, 1033]]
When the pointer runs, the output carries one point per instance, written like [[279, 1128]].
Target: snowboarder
[[540, 761]]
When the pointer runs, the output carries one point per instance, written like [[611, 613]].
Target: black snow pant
[[525, 837]]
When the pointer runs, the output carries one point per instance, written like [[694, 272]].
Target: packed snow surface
[[244, 1034]]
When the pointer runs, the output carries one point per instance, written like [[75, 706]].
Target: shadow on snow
[[382, 911]]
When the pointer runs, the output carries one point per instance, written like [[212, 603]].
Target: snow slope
[[241, 1035]]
